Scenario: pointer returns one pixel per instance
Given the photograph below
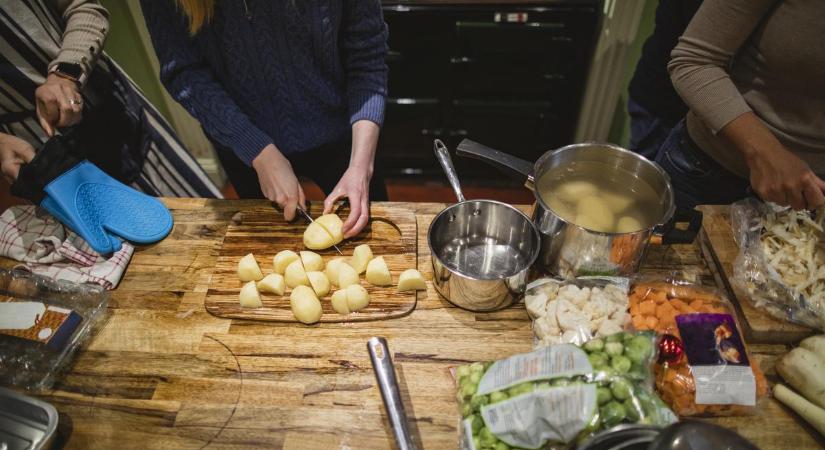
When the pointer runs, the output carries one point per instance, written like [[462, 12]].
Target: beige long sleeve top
[[86, 26], [765, 56]]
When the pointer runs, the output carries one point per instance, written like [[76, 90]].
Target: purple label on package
[[718, 360]]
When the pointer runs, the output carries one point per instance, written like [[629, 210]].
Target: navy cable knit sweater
[[294, 73]]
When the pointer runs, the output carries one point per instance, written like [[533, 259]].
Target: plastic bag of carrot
[[703, 368]]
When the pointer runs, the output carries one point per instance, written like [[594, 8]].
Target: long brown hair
[[199, 12]]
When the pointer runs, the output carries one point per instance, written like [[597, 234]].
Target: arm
[[57, 101], [364, 48], [699, 71]]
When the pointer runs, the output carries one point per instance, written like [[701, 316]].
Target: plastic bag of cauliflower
[[575, 311]]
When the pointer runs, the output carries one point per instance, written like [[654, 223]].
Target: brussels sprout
[[462, 371], [614, 348], [598, 360], [603, 395], [488, 439], [475, 377], [594, 345], [632, 410], [560, 382], [476, 442], [621, 389], [501, 446], [476, 423], [620, 364], [466, 409], [519, 389], [639, 349], [616, 337], [612, 413], [478, 401], [498, 396], [468, 390]]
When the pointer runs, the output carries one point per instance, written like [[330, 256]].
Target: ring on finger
[[75, 101]]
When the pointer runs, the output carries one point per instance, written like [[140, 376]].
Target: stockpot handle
[[507, 163], [390, 392], [668, 233]]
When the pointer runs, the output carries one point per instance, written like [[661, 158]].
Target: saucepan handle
[[508, 163], [670, 234]]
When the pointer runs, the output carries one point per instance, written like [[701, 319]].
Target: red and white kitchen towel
[[32, 236]]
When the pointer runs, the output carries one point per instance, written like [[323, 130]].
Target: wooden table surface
[[164, 373]]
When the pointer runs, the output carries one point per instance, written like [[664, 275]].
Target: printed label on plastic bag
[[557, 414], [718, 360], [563, 360]]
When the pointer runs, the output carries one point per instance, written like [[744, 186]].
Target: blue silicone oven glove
[[90, 202]]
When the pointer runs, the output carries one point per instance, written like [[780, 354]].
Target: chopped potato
[[332, 269], [305, 305], [283, 259], [361, 256], [332, 223], [317, 237], [319, 283], [339, 302], [273, 284], [249, 296], [378, 273], [347, 275], [312, 261], [248, 269], [295, 275], [411, 280], [357, 297]]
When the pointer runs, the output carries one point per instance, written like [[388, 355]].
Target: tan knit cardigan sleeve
[[87, 23]]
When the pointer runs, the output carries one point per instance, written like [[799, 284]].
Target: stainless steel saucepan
[[570, 250], [481, 250]]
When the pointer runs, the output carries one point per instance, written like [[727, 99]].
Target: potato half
[[273, 284], [317, 238], [248, 269], [357, 297], [378, 273], [305, 305], [319, 283], [347, 275], [411, 280], [339, 302], [295, 275], [332, 269], [312, 261], [332, 223], [249, 296], [283, 259], [361, 256]]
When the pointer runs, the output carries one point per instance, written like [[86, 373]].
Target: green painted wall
[[124, 45], [620, 127]]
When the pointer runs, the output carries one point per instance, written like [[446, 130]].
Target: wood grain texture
[[263, 232], [720, 250], [166, 374]]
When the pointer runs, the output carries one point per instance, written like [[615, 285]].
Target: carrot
[[678, 304], [658, 296], [664, 310], [698, 305], [647, 308], [651, 322]]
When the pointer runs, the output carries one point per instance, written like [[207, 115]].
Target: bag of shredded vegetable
[[575, 311], [703, 368], [559, 395], [781, 261]]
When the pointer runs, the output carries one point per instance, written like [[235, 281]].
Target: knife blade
[[309, 218]]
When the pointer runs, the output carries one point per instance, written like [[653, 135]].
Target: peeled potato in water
[[248, 269], [572, 191], [295, 275], [378, 273], [361, 256], [312, 261], [357, 297], [283, 259], [317, 238], [339, 302], [249, 296], [273, 284], [628, 224], [305, 305], [592, 213], [411, 280], [319, 283]]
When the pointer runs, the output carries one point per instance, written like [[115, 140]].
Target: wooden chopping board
[[264, 232], [720, 251]]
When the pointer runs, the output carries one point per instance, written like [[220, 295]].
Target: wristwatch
[[69, 71]]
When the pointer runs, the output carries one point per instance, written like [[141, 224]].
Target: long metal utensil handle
[[443, 156], [390, 393]]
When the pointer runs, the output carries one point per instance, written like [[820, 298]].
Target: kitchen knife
[[309, 218]]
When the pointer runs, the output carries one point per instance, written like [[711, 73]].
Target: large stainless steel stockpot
[[570, 250], [481, 250]]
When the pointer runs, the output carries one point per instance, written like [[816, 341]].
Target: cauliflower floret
[[600, 307], [551, 289], [608, 327], [536, 304], [545, 327], [620, 316], [570, 317], [616, 294], [596, 322], [574, 294]]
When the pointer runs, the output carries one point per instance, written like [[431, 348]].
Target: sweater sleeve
[[700, 61], [86, 26], [364, 49], [189, 80]]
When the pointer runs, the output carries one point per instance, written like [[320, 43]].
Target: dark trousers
[[647, 132], [696, 177], [323, 165]]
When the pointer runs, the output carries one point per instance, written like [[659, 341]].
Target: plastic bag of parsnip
[[703, 367]]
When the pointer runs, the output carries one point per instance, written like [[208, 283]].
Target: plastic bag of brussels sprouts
[[559, 395]]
